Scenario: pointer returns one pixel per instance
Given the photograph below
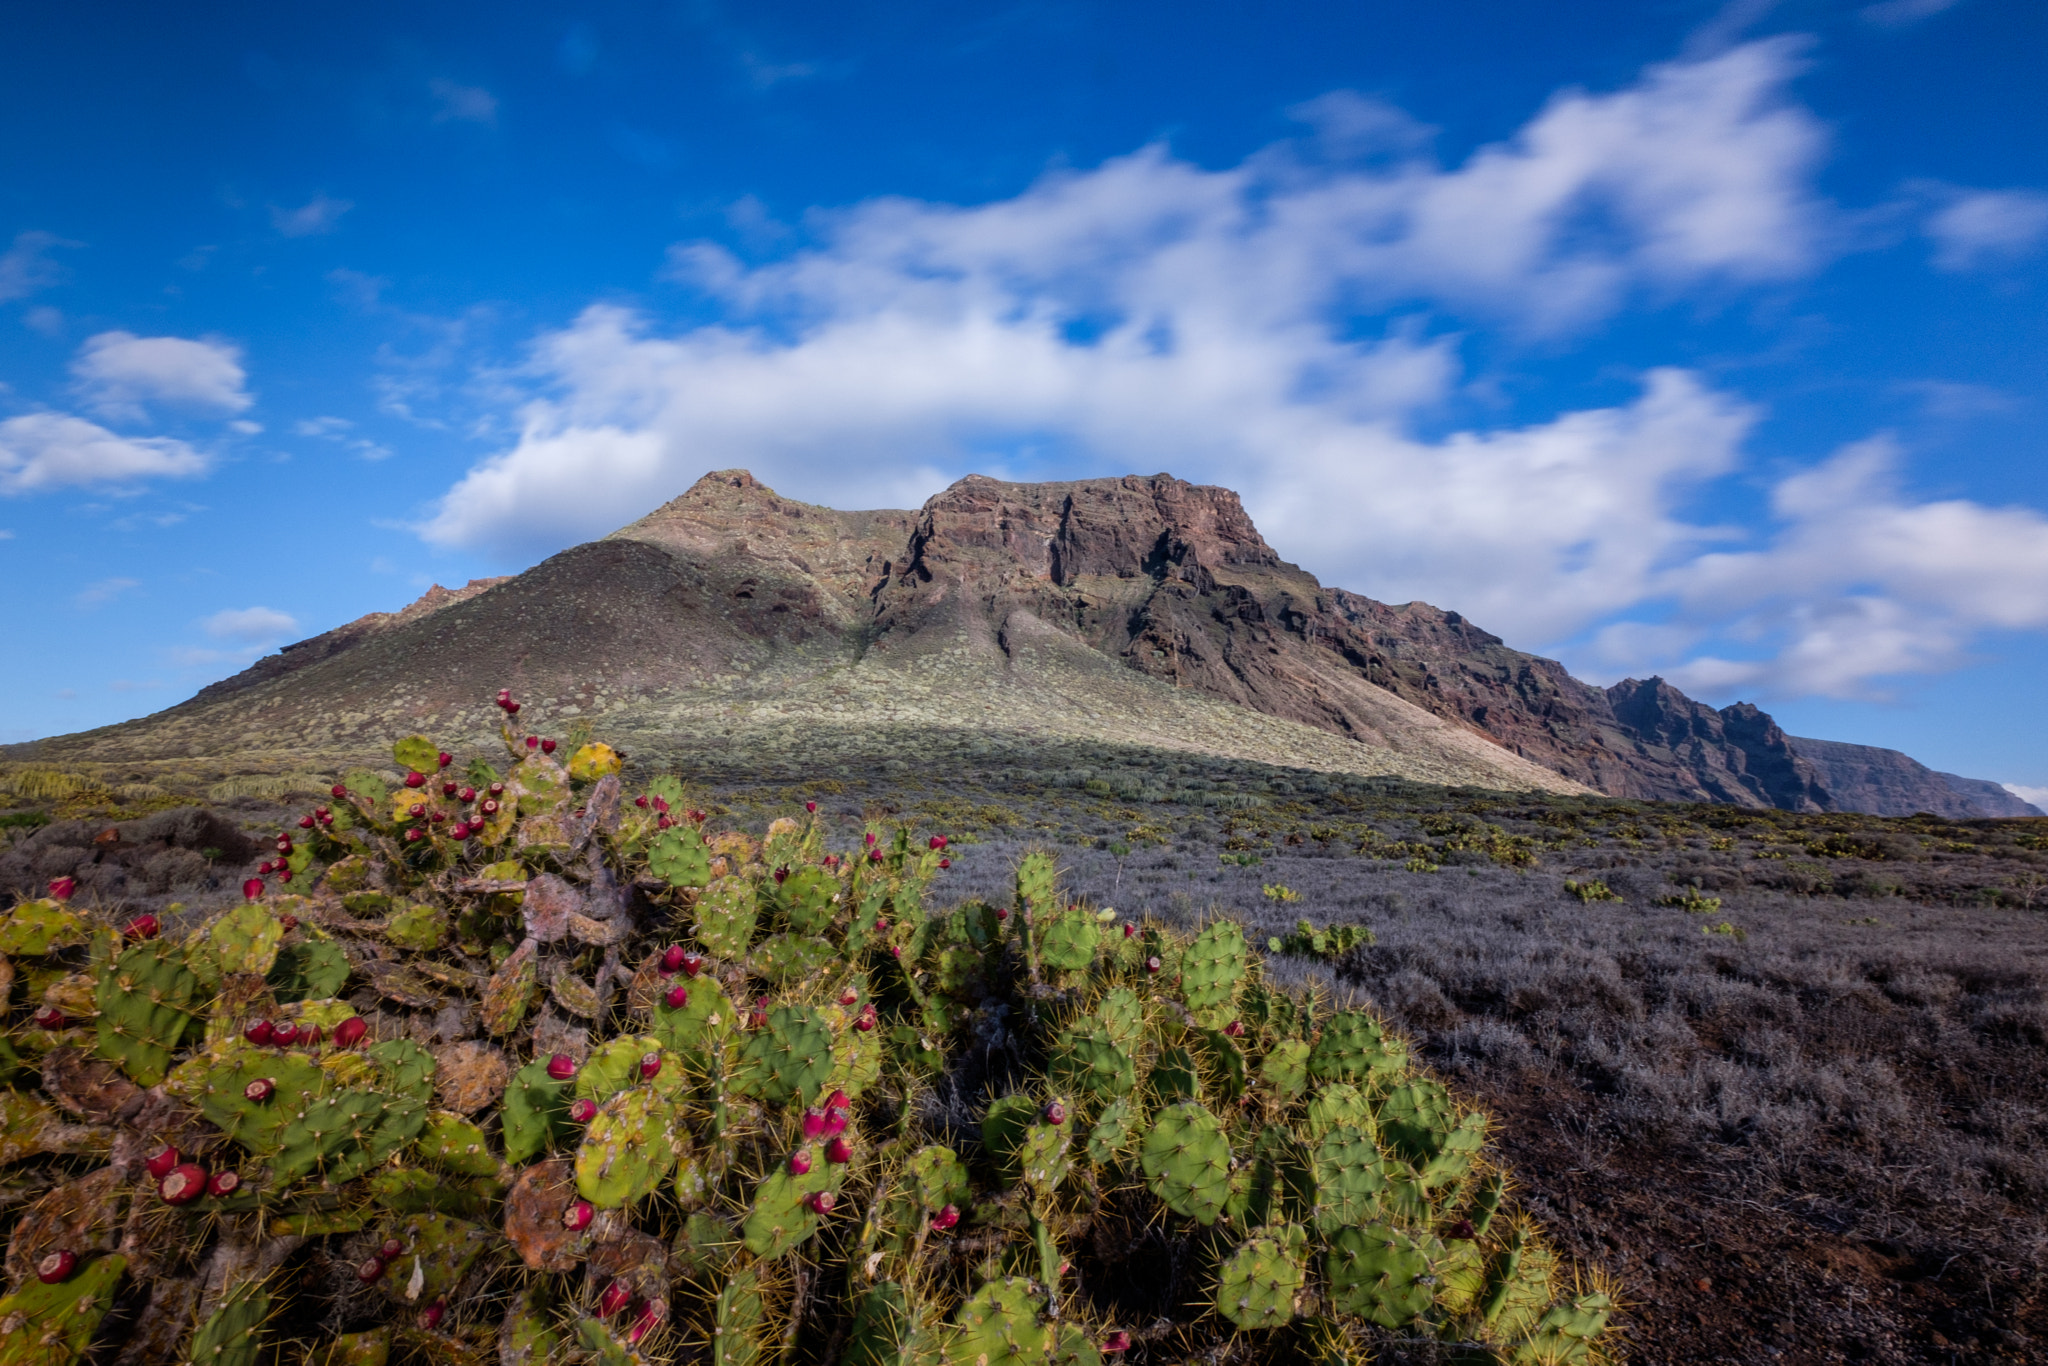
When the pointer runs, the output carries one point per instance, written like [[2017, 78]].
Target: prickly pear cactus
[[614, 1084]]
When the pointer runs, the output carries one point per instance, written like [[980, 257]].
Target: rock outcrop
[[1885, 782]]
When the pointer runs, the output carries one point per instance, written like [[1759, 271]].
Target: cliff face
[[1885, 782], [1143, 609]]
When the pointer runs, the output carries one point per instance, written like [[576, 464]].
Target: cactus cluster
[[516, 1064]]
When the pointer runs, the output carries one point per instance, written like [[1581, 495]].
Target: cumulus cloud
[[26, 266], [41, 451], [1985, 227], [1267, 326], [249, 624], [2036, 797], [463, 103], [317, 215], [103, 592], [117, 373]]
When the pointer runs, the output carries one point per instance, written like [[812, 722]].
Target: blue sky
[[1669, 338]]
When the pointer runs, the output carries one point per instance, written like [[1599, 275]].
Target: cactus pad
[[725, 915], [1210, 971], [1258, 1285], [787, 1060], [628, 1150], [51, 1325], [143, 1009], [678, 857], [999, 1325], [1354, 1046], [1085, 1058], [1379, 1274], [1187, 1161]]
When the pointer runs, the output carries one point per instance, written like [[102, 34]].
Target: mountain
[[1887, 783], [732, 625]]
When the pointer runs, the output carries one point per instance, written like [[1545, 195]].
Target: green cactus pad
[[1338, 1103], [1352, 1047], [739, 1312], [707, 1023], [678, 857], [438, 1252], [1123, 1017], [938, 1177], [244, 940], [233, 1334], [54, 1324], [1068, 940], [1258, 1286], [1115, 1129], [788, 1059], [143, 1009], [628, 1150], [404, 1068], [1186, 1159], [420, 927], [35, 928], [786, 958], [343, 1135], [1349, 1176], [316, 970], [536, 1113], [1175, 1075], [885, 1333], [1036, 875], [1378, 1273], [999, 1325], [1211, 970], [371, 1348], [1085, 1058], [1419, 1122], [779, 1218], [218, 1092], [453, 1144], [530, 1334], [808, 898], [614, 1067], [725, 916]]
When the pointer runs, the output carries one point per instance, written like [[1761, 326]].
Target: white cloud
[[1984, 227], [103, 592], [1150, 314], [51, 450], [463, 103], [5, 534], [249, 624], [2036, 797], [26, 266], [118, 372], [317, 215]]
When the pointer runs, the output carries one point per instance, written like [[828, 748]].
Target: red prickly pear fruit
[[1461, 1229], [49, 1017], [1235, 1029], [305, 822], [814, 1124], [262, 1033], [416, 810], [650, 1318], [837, 1101], [415, 835], [466, 796], [874, 856], [415, 779], [63, 888], [1152, 963], [866, 1021], [350, 1032], [142, 927], [1002, 914], [438, 817], [662, 822], [449, 789], [160, 1165], [497, 789], [895, 950], [311, 1038], [616, 1296], [640, 802], [946, 1218], [391, 1248], [1055, 1113], [259, 1090], [822, 1202], [182, 1184], [1129, 929], [444, 758], [869, 839], [561, 1067], [490, 808], [811, 808], [284, 875], [696, 817], [458, 831], [937, 842], [431, 1316], [533, 742], [583, 1111], [881, 925], [849, 997], [264, 867], [371, 1271], [338, 792], [836, 1117], [511, 709], [678, 996], [284, 1034], [56, 1267], [672, 958], [1116, 1342], [223, 1184], [945, 863], [781, 875], [650, 1066], [578, 1216], [660, 804], [800, 1163], [839, 1151], [547, 747]]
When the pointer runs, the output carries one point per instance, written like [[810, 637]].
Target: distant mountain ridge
[[1142, 610]]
